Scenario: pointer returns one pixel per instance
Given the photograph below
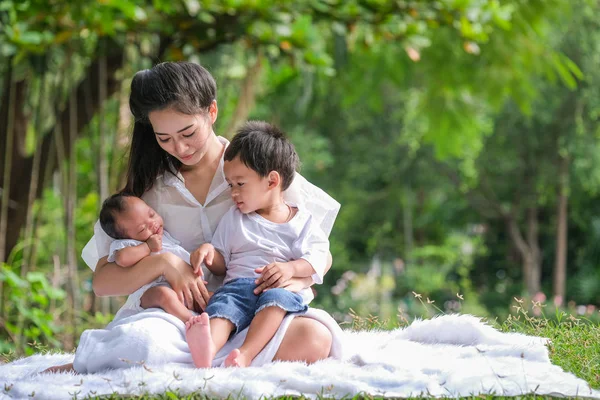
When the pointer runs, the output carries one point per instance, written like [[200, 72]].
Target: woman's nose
[[181, 148]]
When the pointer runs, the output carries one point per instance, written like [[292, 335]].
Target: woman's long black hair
[[187, 88]]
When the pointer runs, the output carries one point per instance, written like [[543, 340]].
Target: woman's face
[[185, 137]]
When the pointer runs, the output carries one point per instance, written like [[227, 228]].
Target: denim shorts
[[236, 302]]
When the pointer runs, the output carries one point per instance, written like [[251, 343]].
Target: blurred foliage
[[28, 303], [446, 50]]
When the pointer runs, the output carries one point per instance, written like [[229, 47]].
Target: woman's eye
[[190, 135], [163, 140]]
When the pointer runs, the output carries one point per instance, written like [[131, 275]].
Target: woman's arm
[[113, 280]]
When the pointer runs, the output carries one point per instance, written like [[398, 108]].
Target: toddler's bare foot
[[197, 334], [237, 359], [59, 368]]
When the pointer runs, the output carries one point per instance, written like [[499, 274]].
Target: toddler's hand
[[204, 253], [155, 243], [273, 275]]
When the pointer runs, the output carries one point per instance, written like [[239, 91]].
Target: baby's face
[[139, 221]]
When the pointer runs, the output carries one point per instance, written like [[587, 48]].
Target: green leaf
[[563, 71]]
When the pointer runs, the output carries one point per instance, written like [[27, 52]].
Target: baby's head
[[128, 217], [259, 164]]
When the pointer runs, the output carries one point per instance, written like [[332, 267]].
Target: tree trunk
[[407, 223], [246, 99], [9, 104], [70, 220], [102, 165], [535, 260], [560, 264], [102, 162], [33, 183], [528, 249], [121, 140]]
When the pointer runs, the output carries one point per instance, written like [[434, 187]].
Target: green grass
[[575, 342]]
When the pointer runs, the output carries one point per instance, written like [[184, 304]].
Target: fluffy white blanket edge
[[447, 356]]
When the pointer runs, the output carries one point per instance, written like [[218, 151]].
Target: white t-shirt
[[249, 241], [169, 245], [193, 223]]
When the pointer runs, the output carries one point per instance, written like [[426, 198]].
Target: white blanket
[[449, 356]]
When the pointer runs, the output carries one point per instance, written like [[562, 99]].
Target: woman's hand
[[188, 286]]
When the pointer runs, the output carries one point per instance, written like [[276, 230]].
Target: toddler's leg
[[205, 337], [165, 298], [262, 329]]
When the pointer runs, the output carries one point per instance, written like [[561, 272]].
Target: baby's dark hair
[[111, 208], [263, 148]]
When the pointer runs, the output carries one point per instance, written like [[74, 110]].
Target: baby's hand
[[155, 243], [204, 253], [273, 275]]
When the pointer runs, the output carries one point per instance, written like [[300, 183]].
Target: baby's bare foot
[[237, 359], [197, 334]]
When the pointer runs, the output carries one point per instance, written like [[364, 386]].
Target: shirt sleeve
[[221, 238], [312, 245], [117, 245], [321, 206], [97, 247]]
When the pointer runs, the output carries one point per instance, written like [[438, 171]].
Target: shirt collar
[[217, 186]]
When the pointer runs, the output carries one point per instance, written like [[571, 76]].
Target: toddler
[[261, 234]]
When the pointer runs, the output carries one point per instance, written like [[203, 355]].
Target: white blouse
[[193, 223]]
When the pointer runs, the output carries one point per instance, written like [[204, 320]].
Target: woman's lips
[[187, 157]]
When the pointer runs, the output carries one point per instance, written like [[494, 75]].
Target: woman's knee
[[305, 340]]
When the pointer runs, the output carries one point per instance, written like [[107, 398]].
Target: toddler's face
[[139, 221], [248, 189]]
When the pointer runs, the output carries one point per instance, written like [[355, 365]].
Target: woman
[[176, 166]]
